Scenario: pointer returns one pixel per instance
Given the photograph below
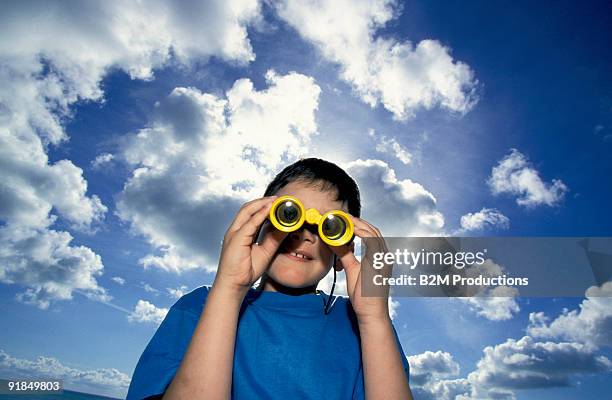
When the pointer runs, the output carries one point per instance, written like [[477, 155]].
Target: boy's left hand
[[366, 308]]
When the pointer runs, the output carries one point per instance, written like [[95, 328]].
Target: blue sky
[[128, 145]]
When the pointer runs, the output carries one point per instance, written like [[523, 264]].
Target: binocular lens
[[333, 227], [288, 213]]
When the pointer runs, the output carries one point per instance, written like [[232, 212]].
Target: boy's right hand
[[242, 261]]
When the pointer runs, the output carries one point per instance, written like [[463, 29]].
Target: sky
[[130, 134]]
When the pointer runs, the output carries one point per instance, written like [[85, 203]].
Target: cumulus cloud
[[104, 381], [48, 265], [47, 69], [591, 324], [432, 377], [33, 194], [429, 366], [498, 304], [398, 207], [205, 155], [528, 364], [504, 368], [514, 175], [495, 303], [444, 389], [147, 312], [402, 76], [486, 217], [43, 73]]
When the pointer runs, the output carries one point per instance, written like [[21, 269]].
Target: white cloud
[[45, 262], [398, 207], [148, 288], [430, 366], [204, 155], [393, 306], [103, 381], [47, 69], [102, 160], [401, 76], [119, 280], [391, 146], [431, 377], [528, 364], [514, 175], [147, 312], [485, 217], [33, 195], [591, 325], [43, 73], [444, 389], [31, 187], [499, 305], [495, 303], [177, 292], [504, 368]]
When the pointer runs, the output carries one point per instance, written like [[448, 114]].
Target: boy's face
[[296, 271]]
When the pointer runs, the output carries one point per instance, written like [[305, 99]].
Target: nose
[[305, 233]]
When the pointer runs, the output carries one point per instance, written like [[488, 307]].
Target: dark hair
[[325, 174]]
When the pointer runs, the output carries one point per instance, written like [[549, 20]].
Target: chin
[[291, 279], [292, 276]]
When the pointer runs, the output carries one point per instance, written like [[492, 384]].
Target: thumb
[[264, 251]]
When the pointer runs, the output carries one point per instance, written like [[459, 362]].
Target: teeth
[[298, 255]]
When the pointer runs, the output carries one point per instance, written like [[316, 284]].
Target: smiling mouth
[[296, 256]]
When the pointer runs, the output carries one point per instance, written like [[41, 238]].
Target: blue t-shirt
[[286, 348]]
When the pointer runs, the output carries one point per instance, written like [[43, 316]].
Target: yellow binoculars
[[334, 227]]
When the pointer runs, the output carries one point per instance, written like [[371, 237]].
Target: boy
[[285, 339]]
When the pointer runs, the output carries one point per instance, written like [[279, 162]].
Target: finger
[[263, 253], [373, 243], [372, 240], [246, 234], [363, 224], [247, 210], [350, 264], [366, 230], [362, 229], [372, 227]]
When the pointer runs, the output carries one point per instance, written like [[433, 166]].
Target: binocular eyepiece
[[334, 227]]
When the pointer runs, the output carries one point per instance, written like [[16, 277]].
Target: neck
[[270, 285]]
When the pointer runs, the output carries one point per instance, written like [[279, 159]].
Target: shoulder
[[193, 301]]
